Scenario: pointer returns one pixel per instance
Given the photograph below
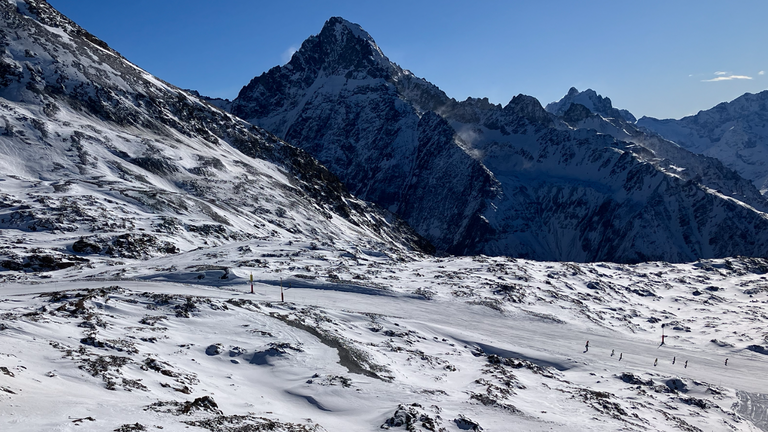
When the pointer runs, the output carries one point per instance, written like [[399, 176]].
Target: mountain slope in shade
[[734, 132], [101, 158], [383, 149], [474, 177]]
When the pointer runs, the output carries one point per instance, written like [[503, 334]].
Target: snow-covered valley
[[365, 341]]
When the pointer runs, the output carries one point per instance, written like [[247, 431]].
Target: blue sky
[[658, 58]]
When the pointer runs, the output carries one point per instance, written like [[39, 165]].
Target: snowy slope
[[99, 157], [474, 177], [367, 342], [734, 132]]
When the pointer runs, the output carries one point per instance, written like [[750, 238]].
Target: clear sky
[[663, 59]]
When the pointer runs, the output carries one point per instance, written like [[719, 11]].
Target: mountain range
[[479, 178]]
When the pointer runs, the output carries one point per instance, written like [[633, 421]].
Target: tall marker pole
[[282, 297], [251, 283]]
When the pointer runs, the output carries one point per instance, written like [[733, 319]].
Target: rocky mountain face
[[475, 177], [99, 158], [734, 132], [665, 155], [336, 99]]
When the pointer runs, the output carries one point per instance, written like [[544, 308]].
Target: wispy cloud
[[761, 73], [721, 73], [286, 56], [726, 77]]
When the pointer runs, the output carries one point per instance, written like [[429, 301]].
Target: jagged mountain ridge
[[592, 101], [652, 147], [101, 158], [734, 132], [513, 180]]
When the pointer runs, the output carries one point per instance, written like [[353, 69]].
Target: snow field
[[494, 340]]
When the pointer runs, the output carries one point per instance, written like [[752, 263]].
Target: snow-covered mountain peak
[[339, 48], [107, 167], [342, 26], [592, 101]]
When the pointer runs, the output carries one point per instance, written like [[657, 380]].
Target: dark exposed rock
[[215, 349], [86, 247], [413, 418], [203, 403], [633, 379], [465, 423], [576, 113], [134, 427]]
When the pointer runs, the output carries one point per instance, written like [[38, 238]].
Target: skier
[[655, 362], [586, 347], [686, 364], [726, 362], [612, 352], [620, 356], [673, 360]]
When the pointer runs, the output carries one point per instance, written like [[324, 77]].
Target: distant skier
[[726, 362], [673, 360], [620, 356], [586, 347], [655, 362], [686, 364], [612, 352]]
